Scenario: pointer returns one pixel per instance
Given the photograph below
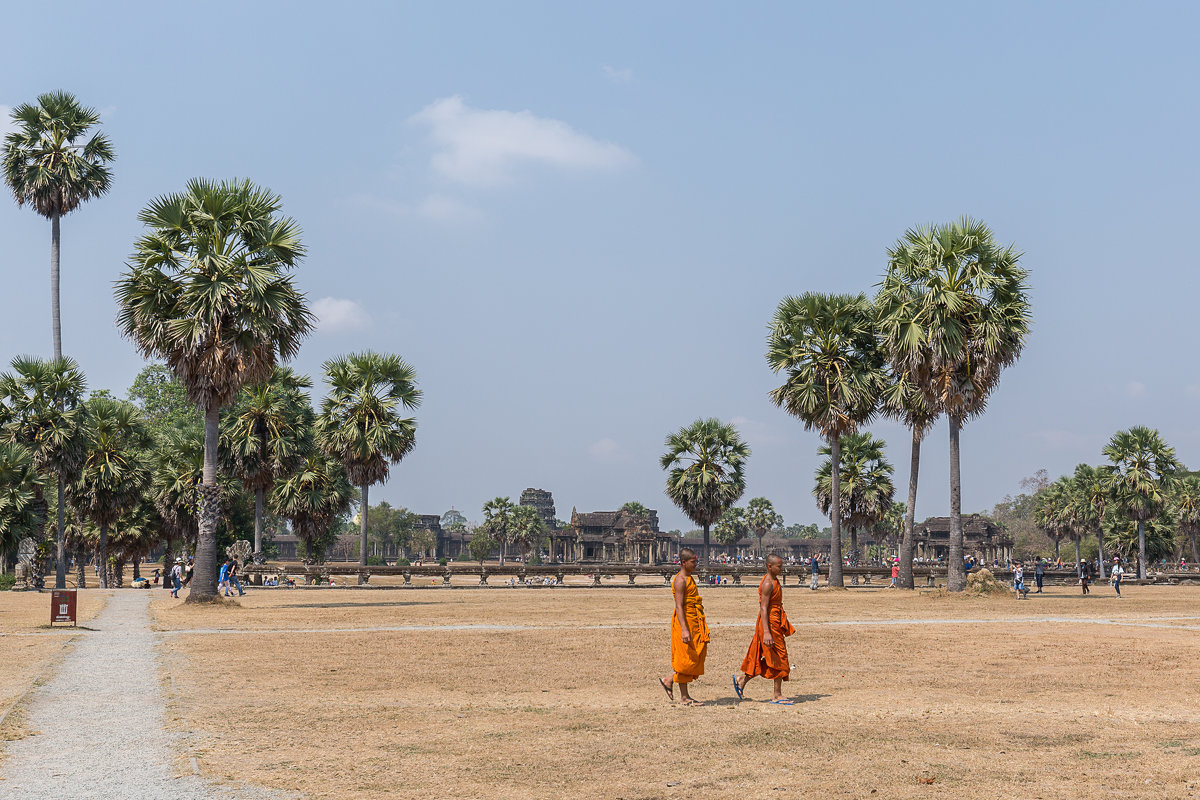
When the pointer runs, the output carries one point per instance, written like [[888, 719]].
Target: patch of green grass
[[1170, 744], [1090, 754]]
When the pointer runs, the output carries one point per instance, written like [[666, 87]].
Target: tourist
[[223, 580], [176, 577], [768, 655], [1039, 573], [1019, 581], [689, 631], [815, 566], [1085, 576], [895, 574], [1117, 574], [233, 577]]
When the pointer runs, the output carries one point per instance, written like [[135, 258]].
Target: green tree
[[706, 471], [1048, 507], [867, 490], [528, 530], [41, 408], [19, 483], [362, 420], [635, 508], [313, 499], [266, 435], [1141, 471], [1185, 507], [498, 522], [959, 317], [731, 527], [826, 347], [760, 518], [55, 161], [162, 399], [209, 291], [1091, 499], [481, 545], [113, 476]]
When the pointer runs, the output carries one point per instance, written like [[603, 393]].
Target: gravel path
[[89, 744]]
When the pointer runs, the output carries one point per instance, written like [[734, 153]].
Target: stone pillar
[[407, 578], [595, 579], [483, 576], [632, 575]]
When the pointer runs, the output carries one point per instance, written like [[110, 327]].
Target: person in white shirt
[[1117, 573]]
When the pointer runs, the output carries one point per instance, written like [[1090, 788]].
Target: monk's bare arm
[[764, 613], [679, 589]]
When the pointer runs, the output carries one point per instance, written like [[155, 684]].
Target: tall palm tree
[[903, 400], [267, 434], [731, 527], [363, 424], [41, 408], [1186, 506], [827, 348], [53, 164], [177, 472], [760, 518], [113, 476], [312, 499], [961, 316], [528, 529], [867, 490], [498, 522], [1048, 507], [1141, 471], [706, 471], [19, 484], [209, 291], [1090, 498]]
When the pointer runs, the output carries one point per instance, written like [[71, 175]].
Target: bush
[[374, 561], [442, 562], [403, 562], [7, 580], [535, 560]]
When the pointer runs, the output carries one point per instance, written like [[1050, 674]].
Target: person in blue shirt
[[223, 579]]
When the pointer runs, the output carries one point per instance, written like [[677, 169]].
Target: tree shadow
[[358, 605]]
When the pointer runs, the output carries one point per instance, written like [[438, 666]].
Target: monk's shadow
[[796, 700]]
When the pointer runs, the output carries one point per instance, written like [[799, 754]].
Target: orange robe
[[688, 659], [770, 662]]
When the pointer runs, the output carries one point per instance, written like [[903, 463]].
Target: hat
[[895, 561], [1116, 558], [179, 561]]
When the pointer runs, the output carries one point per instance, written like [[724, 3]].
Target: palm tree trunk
[[362, 535], [204, 576], [258, 516], [910, 512], [835, 516], [137, 572], [1100, 547], [956, 573], [1142, 549], [706, 545], [80, 569], [1195, 557], [760, 548], [54, 313], [854, 545], [60, 539], [1078, 557], [102, 566]]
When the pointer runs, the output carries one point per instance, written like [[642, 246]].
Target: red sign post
[[62, 606]]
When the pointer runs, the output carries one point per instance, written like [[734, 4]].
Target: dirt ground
[[27, 647], [929, 697]]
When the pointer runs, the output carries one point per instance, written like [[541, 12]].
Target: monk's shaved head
[[687, 554], [774, 559]]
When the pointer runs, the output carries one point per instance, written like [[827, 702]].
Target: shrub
[[7, 581], [374, 561], [403, 562], [535, 560], [442, 562]]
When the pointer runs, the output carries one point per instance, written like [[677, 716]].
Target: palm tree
[[1140, 476], [209, 291], [312, 499], [528, 529], [706, 471], [177, 472], [498, 522], [867, 490], [19, 485], [760, 518], [1186, 505], [52, 164], [113, 476], [903, 400], [1048, 512], [267, 435], [41, 408], [1090, 498], [827, 348], [361, 421], [959, 314], [731, 527]]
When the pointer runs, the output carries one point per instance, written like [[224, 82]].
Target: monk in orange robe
[[689, 632], [768, 655]]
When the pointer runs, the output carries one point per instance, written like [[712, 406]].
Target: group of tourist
[[1086, 571], [767, 655]]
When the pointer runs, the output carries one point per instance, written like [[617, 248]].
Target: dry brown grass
[[1038, 709]]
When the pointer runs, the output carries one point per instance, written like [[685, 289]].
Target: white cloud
[[481, 147], [440, 208], [1135, 389], [606, 451], [337, 315], [623, 75]]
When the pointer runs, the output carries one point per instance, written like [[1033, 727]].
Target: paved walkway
[[100, 722]]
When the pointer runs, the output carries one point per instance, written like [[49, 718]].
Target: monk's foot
[[692, 702], [668, 688]]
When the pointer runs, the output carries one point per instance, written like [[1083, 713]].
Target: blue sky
[[576, 222]]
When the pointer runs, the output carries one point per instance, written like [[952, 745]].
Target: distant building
[[614, 536], [543, 502]]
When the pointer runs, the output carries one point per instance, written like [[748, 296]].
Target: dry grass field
[[27, 648], [929, 697]]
